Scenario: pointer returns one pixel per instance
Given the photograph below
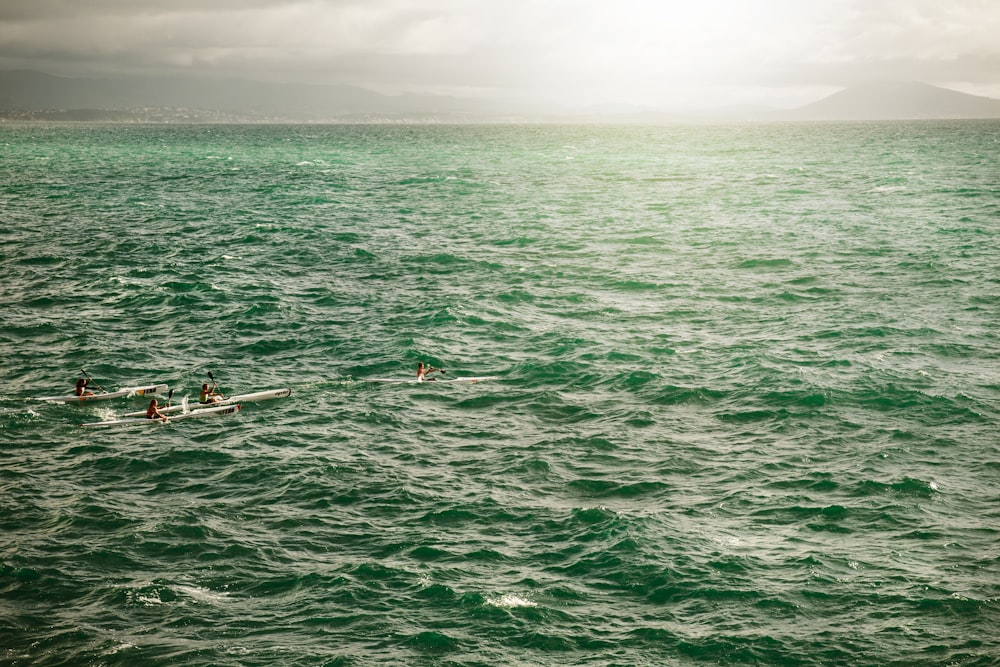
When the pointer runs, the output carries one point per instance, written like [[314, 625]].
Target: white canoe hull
[[216, 411], [145, 390], [466, 380], [242, 398]]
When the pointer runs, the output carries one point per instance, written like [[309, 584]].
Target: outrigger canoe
[[217, 411], [469, 380], [145, 390], [242, 398]]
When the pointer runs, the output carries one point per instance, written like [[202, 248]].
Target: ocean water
[[746, 411]]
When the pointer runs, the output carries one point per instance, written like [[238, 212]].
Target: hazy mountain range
[[34, 95], [891, 101]]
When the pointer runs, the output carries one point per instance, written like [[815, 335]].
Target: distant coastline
[[34, 96]]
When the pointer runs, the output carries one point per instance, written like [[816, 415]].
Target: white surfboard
[[145, 390], [241, 398], [436, 380], [218, 411]]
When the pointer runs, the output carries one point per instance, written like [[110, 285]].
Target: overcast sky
[[658, 53]]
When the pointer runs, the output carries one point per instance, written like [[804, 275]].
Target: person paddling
[[153, 411], [81, 388], [209, 395], [422, 371]]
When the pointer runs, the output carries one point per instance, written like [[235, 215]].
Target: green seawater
[[747, 409]]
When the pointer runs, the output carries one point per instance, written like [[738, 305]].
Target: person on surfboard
[[422, 371], [81, 388], [153, 411], [209, 395]]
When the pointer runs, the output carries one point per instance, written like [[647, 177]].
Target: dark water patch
[[42, 260], [730, 565], [802, 398], [686, 592], [777, 263], [645, 241], [546, 642], [818, 482], [31, 331], [954, 350], [742, 650], [620, 359], [927, 409], [834, 528], [533, 467], [821, 292], [607, 489], [673, 395], [634, 286], [516, 296], [429, 554], [266, 348], [282, 585], [857, 332], [636, 380], [594, 516], [46, 302], [554, 409], [924, 536], [519, 241], [797, 513], [486, 555], [443, 262], [906, 487], [792, 297], [438, 594], [450, 517], [195, 286], [749, 416]]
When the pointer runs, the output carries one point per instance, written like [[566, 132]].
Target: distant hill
[[29, 91], [896, 101]]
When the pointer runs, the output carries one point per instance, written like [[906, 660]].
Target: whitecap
[[509, 601], [203, 594], [106, 414], [148, 600]]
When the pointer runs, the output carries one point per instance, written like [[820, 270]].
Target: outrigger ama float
[[124, 392], [217, 411]]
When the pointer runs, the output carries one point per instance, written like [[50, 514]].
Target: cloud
[[585, 51]]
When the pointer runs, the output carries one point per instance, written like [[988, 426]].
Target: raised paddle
[[215, 385], [90, 379]]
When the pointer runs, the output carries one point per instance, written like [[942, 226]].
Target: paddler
[[422, 371], [209, 395], [81, 388], [153, 411]]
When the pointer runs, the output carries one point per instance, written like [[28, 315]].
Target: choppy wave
[[746, 406]]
